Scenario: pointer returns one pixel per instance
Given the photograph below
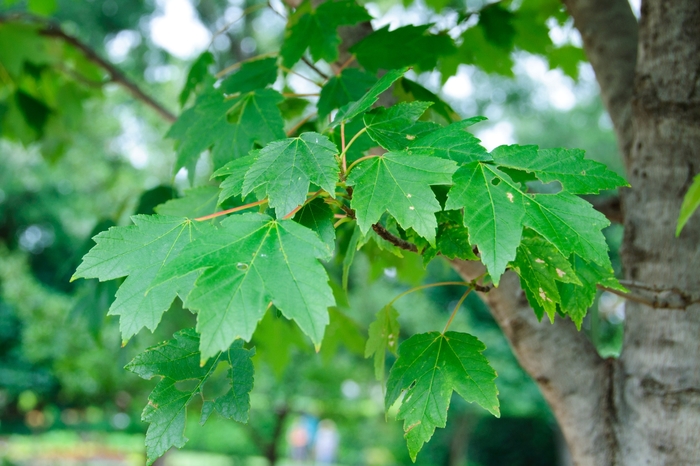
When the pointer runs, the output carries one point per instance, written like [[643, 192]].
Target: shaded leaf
[[383, 336], [353, 109], [348, 86], [196, 202]]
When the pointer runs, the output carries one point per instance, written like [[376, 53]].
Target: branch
[[398, 242], [657, 298], [115, 75]]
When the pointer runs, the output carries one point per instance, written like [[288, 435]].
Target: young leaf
[[399, 183], [284, 170], [691, 201], [139, 252], [255, 74], [175, 361], [229, 127], [235, 170], [348, 86], [353, 109], [197, 202], [316, 30], [541, 267], [452, 142], [396, 127], [383, 336], [196, 75], [429, 368], [577, 299], [493, 212], [404, 46], [576, 174], [248, 262]]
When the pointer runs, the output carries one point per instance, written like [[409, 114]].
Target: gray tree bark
[[644, 408]]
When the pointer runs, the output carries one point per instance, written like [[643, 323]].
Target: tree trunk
[[643, 409]]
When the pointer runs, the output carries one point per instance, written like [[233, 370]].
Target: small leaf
[[452, 239], [318, 216], [691, 201], [175, 361], [235, 170], [383, 336], [353, 109], [248, 262], [429, 368], [284, 170], [399, 183], [252, 75], [196, 76]]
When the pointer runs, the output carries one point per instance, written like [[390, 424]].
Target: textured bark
[[658, 377]]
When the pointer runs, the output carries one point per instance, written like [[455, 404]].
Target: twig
[[345, 65], [238, 64], [230, 211], [300, 124], [398, 242], [226, 26], [658, 299], [457, 306], [115, 75], [287, 70], [313, 67]]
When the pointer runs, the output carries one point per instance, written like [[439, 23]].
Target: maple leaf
[[316, 29], [235, 172], [383, 336], [394, 128], [404, 46], [196, 202], [283, 170], [452, 142], [249, 261], [318, 216], [541, 268], [139, 252], [452, 240], [429, 368], [175, 361], [576, 174], [493, 213], [230, 127], [399, 183]]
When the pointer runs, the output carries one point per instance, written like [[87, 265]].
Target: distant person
[[326, 444], [299, 441]]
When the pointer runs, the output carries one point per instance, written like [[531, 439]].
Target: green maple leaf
[[234, 171], [493, 213], [576, 299], [139, 252], [569, 223], [315, 29], [275, 340], [196, 202], [252, 75], [175, 361], [250, 261], [353, 109], [541, 268], [383, 336], [285, 169], [348, 86], [396, 127], [408, 90], [231, 128], [576, 174], [452, 142], [196, 76], [404, 46], [477, 50], [399, 183], [429, 368]]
